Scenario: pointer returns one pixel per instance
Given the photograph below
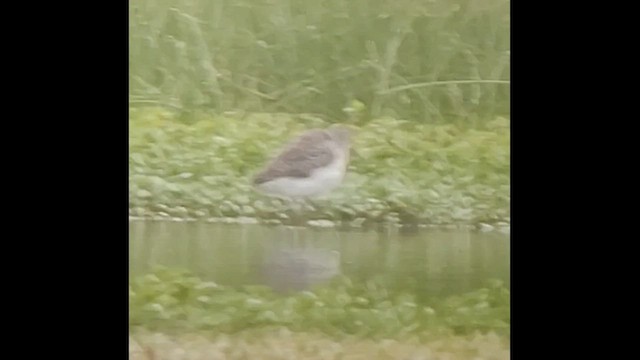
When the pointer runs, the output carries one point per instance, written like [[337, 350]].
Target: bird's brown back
[[308, 152]]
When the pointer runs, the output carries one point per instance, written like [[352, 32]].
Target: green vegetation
[[426, 83], [170, 300], [426, 61], [403, 171], [217, 86]]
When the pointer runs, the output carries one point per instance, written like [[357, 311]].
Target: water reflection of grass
[[405, 172], [177, 302]]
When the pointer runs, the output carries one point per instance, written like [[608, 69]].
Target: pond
[[426, 262]]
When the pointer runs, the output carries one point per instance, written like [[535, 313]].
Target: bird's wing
[[300, 158]]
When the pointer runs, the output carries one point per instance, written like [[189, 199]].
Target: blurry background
[[329, 58]]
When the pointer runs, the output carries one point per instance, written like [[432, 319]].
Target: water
[[429, 262]]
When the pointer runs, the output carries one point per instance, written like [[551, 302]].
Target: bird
[[311, 165]]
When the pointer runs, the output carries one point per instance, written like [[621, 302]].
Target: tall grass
[[424, 60]]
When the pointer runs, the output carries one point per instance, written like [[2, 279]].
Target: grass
[[175, 302], [426, 61], [403, 172], [426, 85]]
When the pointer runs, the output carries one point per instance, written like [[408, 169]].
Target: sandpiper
[[311, 165]]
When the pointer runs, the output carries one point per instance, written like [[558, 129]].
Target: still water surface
[[426, 262]]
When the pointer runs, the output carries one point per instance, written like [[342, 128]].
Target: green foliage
[[170, 300], [418, 60], [402, 171]]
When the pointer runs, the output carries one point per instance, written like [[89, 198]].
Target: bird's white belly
[[320, 182]]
